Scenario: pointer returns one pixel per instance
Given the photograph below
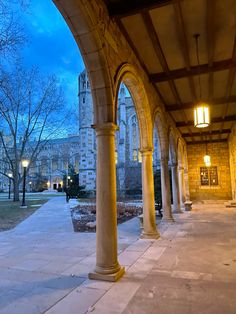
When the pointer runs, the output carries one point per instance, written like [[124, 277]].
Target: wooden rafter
[[191, 105], [213, 120], [211, 44], [195, 70], [126, 8], [184, 43], [213, 132], [135, 51], [160, 54], [206, 142]]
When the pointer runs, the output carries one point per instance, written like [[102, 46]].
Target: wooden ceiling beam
[[193, 71], [137, 55], [213, 120], [180, 24], [125, 8], [213, 132], [191, 105], [207, 142]]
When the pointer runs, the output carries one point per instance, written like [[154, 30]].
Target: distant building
[[50, 165], [53, 161]]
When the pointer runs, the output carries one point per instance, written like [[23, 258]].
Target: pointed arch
[[88, 36], [130, 77]]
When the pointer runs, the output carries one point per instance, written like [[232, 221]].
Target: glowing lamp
[[207, 159], [25, 163], [201, 116]]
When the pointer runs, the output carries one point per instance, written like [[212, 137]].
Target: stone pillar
[[165, 190], [149, 213], [175, 188], [186, 185], [181, 187], [107, 266]]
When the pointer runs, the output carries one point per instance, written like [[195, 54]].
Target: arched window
[[134, 139]]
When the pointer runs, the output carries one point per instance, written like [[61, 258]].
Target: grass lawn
[[11, 214]]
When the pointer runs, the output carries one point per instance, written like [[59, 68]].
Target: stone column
[[165, 190], [186, 184], [175, 188], [149, 213], [181, 187], [107, 266]]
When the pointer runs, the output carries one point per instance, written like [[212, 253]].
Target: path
[[191, 269]]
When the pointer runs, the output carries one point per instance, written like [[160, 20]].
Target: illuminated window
[[139, 156], [116, 156], [209, 176]]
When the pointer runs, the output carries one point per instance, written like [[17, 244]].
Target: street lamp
[[30, 185], [9, 185], [25, 164], [48, 184], [68, 181]]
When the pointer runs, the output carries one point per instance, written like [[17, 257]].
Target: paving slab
[[190, 269]]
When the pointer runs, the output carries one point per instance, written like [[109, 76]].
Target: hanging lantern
[[207, 160], [201, 116]]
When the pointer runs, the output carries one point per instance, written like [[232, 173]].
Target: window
[[83, 100], [135, 155], [209, 176], [116, 157]]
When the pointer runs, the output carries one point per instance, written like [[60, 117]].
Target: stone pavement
[[190, 269]]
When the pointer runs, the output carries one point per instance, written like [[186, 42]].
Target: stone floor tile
[[77, 302]]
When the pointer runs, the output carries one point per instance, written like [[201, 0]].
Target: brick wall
[[232, 153], [219, 153]]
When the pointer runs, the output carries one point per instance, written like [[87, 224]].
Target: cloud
[[51, 46]]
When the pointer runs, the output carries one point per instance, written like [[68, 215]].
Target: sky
[[51, 46]]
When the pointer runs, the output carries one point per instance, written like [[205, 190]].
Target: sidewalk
[[191, 269]]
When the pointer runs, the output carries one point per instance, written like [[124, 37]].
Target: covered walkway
[[190, 269]]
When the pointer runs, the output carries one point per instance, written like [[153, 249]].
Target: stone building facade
[[53, 161], [127, 154]]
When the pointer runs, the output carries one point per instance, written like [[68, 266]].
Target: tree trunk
[[16, 183]]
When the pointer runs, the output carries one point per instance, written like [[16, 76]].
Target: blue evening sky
[[51, 46]]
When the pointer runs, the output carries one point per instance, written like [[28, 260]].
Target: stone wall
[[219, 153], [232, 156]]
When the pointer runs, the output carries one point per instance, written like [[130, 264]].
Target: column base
[[168, 219], [152, 235], [107, 277], [178, 211]]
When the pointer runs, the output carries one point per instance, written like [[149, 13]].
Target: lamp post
[[9, 185], [68, 181], [25, 164]]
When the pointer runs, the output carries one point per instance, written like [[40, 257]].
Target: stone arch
[[87, 32], [129, 76]]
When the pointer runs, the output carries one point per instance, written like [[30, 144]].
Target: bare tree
[[30, 110], [11, 30]]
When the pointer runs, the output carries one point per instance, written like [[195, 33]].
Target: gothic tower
[[87, 153]]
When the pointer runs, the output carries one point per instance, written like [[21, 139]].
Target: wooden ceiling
[[161, 34]]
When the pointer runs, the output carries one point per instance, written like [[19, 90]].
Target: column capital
[[174, 164], [146, 151], [108, 128], [180, 168]]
